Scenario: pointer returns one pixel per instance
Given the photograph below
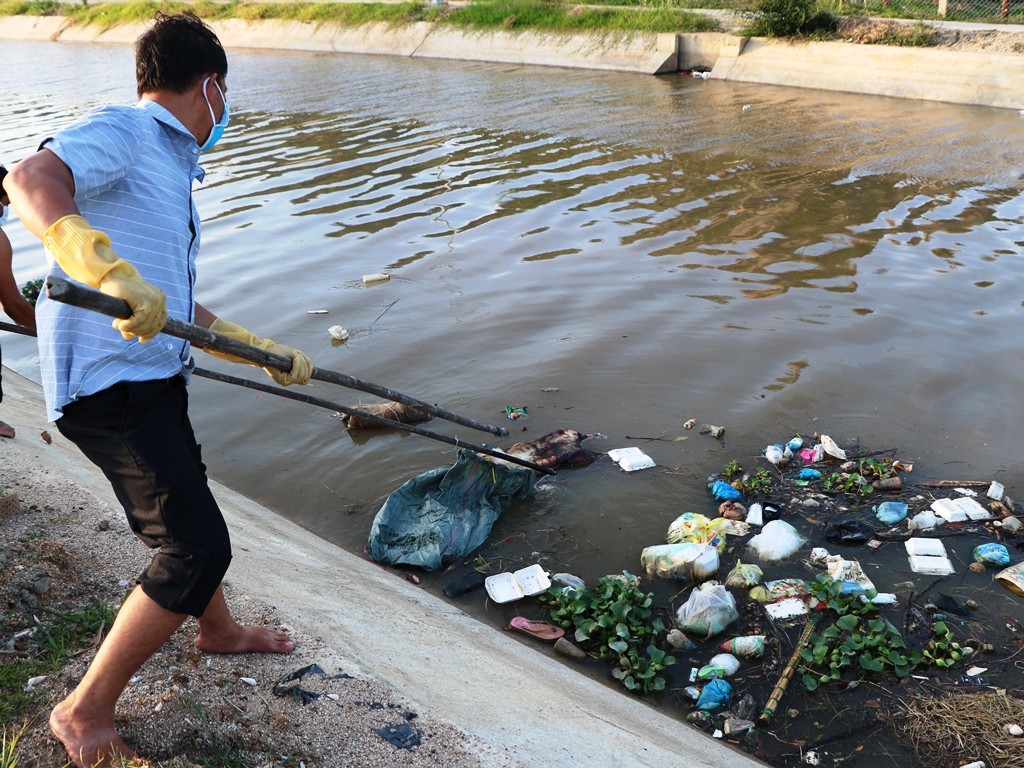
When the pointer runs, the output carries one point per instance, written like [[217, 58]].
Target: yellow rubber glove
[[85, 255], [302, 366]]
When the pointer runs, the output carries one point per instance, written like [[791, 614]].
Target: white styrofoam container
[[506, 587], [930, 564], [631, 459], [919, 546], [973, 509], [949, 510]]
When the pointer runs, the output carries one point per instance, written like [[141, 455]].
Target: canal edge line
[[932, 74]]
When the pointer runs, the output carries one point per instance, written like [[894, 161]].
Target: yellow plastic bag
[[695, 528]]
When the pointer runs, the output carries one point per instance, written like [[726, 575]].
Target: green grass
[[57, 639], [500, 14]]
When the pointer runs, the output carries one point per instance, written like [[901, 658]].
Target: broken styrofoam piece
[[631, 459], [928, 556], [995, 491], [882, 598], [956, 510], [790, 608], [850, 573]]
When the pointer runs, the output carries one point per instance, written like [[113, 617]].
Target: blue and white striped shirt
[[133, 170]]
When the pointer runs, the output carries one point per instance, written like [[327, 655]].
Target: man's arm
[[42, 190], [11, 300]]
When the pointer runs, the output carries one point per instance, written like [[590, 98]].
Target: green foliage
[[9, 737], [30, 291], [859, 641], [614, 619], [54, 642], [761, 482], [732, 468], [790, 18]]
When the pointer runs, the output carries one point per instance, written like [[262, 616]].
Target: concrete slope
[[962, 77], [520, 701]]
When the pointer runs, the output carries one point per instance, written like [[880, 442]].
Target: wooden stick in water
[[787, 673]]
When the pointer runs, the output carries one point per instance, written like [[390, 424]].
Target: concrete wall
[[961, 77]]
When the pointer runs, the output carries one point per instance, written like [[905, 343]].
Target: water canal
[[617, 253]]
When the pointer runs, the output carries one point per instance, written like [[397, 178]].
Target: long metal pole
[[304, 398], [67, 292]]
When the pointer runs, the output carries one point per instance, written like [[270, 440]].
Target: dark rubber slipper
[[538, 629]]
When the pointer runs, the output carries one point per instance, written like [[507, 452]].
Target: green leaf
[[810, 682], [848, 622], [871, 663], [876, 625], [619, 646], [940, 628], [622, 631]]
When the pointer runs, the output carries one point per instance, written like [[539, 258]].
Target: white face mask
[[3, 215], [218, 125]]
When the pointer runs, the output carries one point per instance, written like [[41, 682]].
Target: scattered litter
[[924, 521], [631, 459], [882, 598], [975, 671], [928, 556], [1012, 578], [783, 610], [402, 735], [505, 587], [721, 665], [958, 510], [715, 695], [316, 311], [723, 491], [376, 277], [891, 512], [996, 491], [337, 332], [855, 581], [516, 412], [248, 681], [709, 610], [744, 575], [697, 529], [832, 449], [755, 514], [748, 646], [712, 429], [686, 562], [991, 554], [776, 541], [689, 424]]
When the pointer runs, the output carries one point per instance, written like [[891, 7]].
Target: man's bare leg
[[84, 721], [220, 633], [6, 430]]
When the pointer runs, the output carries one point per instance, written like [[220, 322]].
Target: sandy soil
[[61, 549]]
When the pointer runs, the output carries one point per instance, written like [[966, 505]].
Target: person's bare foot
[[246, 639], [89, 744], [6, 430]]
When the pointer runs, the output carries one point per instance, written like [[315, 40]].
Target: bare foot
[[89, 744], [6, 430], [246, 639]]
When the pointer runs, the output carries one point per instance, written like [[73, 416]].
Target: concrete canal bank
[[981, 78]]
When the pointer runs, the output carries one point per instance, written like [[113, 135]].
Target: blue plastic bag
[[715, 695], [992, 554], [722, 491], [891, 512]]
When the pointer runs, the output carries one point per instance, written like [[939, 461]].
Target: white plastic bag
[[776, 541], [687, 562], [744, 575], [709, 610]]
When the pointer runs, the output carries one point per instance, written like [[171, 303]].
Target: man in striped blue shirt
[[111, 197]]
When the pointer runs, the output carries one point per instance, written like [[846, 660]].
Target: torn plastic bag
[[445, 513], [680, 562], [848, 531], [709, 610]]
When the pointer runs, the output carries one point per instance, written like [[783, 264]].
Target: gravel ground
[[61, 549]]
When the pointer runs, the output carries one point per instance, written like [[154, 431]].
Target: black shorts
[[139, 434]]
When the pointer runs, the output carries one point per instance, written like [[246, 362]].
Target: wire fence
[[980, 11]]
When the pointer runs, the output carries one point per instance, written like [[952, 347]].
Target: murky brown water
[[656, 249]]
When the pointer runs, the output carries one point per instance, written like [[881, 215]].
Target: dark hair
[[3, 175], [175, 52]]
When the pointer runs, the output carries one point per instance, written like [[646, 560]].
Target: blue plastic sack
[[807, 473], [891, 512], [444, 514], [715, 695], [722, 491], [992, 554]]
